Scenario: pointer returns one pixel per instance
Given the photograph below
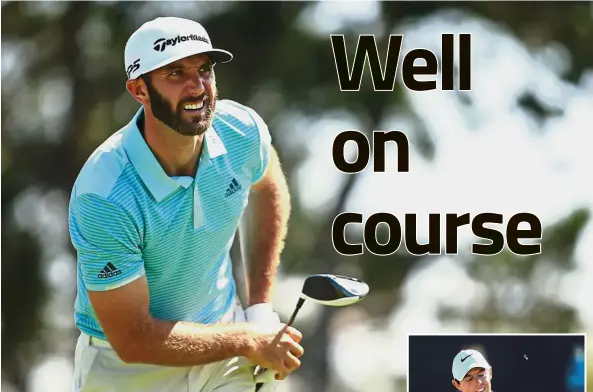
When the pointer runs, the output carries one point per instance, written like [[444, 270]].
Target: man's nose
[[196, 84]]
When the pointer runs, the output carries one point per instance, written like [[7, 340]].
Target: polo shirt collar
[[148, 167]]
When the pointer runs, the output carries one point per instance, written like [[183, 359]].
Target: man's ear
[[137, 88], [456, 384], [491, 372]]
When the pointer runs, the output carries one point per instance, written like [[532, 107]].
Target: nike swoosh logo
[[463, 359]]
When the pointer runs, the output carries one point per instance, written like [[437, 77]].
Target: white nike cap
[[466, 360], [165, 40]]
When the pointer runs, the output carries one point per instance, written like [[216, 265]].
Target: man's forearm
[[272, 211], [167, 343]]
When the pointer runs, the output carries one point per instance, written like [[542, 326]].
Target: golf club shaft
[[296, 311]]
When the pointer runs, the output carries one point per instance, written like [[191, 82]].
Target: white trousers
[[98, 368]]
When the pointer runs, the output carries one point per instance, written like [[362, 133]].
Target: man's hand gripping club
[[276, 347]]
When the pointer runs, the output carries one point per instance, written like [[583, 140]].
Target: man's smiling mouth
[[197, 105]]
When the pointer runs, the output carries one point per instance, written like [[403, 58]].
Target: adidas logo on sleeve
[[108, 271]]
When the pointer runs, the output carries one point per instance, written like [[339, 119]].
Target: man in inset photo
[[471, 372]]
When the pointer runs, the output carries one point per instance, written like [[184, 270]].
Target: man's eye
[[176, 72], [205, 69]]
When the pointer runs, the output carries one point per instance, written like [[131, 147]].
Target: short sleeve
[[265, 144], [106, 241]]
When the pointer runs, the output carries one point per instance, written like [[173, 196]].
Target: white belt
[[96, 342]]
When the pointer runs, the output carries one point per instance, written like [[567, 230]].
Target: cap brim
[[217, 56]]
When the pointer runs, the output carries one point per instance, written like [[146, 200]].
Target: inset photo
[[497, 362]]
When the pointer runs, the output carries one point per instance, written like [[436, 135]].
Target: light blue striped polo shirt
[[127, 218]]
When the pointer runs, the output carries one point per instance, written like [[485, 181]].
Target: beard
[[174, 118]]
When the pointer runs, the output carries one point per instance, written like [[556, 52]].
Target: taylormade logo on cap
[[165, 40], [162, 43]]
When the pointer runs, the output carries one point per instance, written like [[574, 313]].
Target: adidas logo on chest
[[233, 187]]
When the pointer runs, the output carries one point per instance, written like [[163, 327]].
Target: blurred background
[[519, 362], [520, 141]]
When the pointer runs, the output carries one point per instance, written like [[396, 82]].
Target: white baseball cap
[[164, 40], [466, 360]]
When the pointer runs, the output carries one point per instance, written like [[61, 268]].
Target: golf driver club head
[[325, 289], [334, 290]]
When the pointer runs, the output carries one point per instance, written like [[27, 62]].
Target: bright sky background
[[494, 139]]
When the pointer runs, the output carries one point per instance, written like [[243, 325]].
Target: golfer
[[152, 216], [471, 372]]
